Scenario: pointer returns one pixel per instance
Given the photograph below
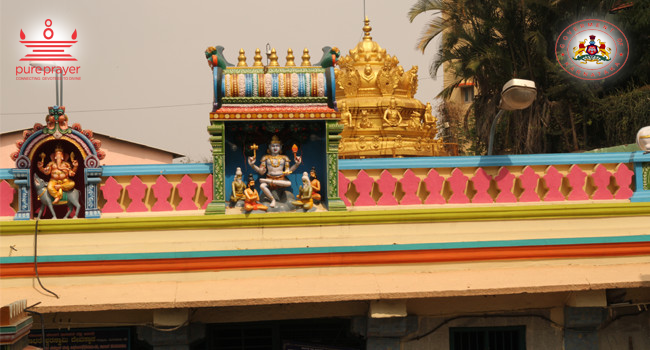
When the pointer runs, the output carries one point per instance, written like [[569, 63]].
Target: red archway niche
[[48, 148]]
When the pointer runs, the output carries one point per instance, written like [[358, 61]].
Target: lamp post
[[58, 81], [516, 94]]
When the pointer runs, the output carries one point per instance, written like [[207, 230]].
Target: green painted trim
[[556, 242], [17, 328], [331, 218], [215, 208], [336, 204]]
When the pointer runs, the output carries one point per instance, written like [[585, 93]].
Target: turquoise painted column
[[217, 140], [334, 202], [21, 177], [641, 177]]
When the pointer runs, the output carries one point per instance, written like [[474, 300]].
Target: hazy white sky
[[143, 74]]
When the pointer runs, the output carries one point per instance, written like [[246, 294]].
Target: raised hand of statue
[[251, 161], [298, 160]]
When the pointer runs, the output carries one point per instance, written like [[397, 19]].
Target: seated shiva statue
[[276, 167]]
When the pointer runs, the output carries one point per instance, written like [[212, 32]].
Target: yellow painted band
[[402, 216]]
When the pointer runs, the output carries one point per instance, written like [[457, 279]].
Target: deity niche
[[60, 188]]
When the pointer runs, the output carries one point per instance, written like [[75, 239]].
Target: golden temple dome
[[380, 114]]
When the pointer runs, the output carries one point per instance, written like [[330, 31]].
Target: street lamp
[[516, 94], [58, 82], [643, 139]]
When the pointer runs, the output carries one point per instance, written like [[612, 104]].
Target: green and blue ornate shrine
[[252, 104]]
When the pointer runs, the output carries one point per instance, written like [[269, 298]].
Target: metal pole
[[61, 83], [56, 84], [492, 128]]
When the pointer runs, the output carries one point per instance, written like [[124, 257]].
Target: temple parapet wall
[[473, 181]]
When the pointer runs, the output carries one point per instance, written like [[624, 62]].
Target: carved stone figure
[[304, 198], [315, 184], [238, 187], [251, 197]]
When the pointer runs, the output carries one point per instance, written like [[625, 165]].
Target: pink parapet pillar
[[410, 185], [434, 183], [162, 190], [7, 194], [623, 176], [386, 184], [577, 182], [601, 178], [206, 187], [363, 183], [481, 181], [136, 191], [553, 180], [529, 182], [505, 183], [186, 190], [458, 183], [344, 186], [111, 191]]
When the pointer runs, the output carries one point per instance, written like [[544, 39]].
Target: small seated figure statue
[[251, 197], [392, 116], [304, 198], [428, 116], [346, 115], [315, 184], [365, 122], [238, 187], [416, 122], [276, 167], [61, 172]]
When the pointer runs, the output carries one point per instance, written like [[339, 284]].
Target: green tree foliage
[[493, 41]]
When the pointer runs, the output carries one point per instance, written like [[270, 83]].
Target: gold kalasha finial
[[241, 59], [290, 58], [305, 58], [366, 29], [258, 59], [274, 59]]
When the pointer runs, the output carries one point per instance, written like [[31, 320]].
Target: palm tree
[[493, 41]]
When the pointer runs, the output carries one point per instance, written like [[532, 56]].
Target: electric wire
[[38, 278], [117, 109]]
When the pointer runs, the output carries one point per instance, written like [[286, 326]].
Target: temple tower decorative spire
[[380, 114]]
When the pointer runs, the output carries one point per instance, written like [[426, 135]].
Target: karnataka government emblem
[[592, 53], [591, 49]]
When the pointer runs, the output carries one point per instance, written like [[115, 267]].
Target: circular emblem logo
[[591, 49]]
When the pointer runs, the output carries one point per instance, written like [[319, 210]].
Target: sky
[[142, 73]]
